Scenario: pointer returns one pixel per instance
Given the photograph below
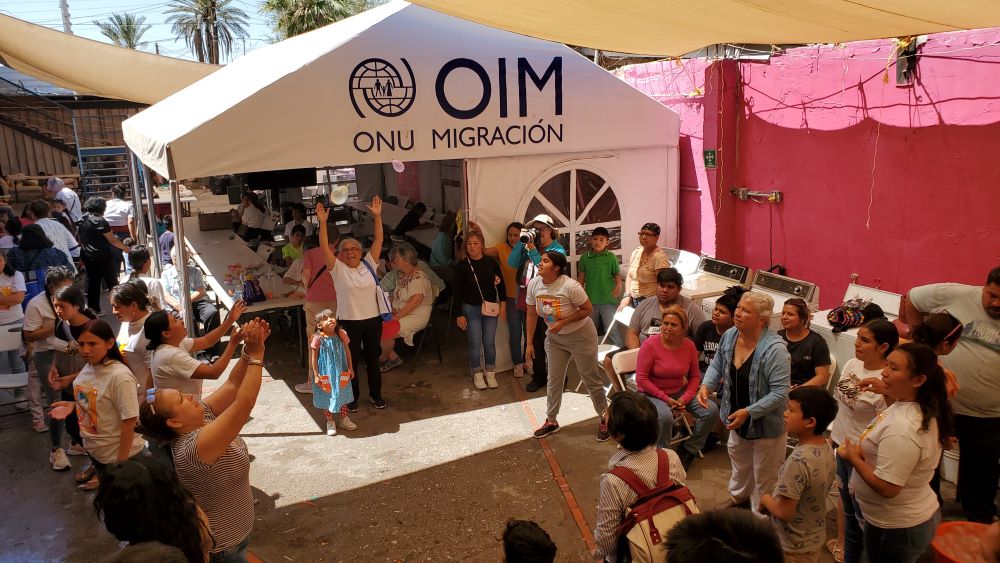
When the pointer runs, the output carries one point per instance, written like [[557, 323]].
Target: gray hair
[[762, 302], [345, 240], [405, 251]]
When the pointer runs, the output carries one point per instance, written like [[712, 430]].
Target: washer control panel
[[723, 269], [788, 286]]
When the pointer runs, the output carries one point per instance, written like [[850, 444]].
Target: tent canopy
[[91, 67], [395, 82], [681, 26]]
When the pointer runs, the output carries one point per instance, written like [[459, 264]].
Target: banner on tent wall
[[397, 82]]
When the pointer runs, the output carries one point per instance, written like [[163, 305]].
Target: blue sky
[[84, 12]]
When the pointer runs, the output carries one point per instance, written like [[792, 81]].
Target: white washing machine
[[841, 344], [781, 289], [710, 278]]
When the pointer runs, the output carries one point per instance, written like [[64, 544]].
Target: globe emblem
[[382, 87]]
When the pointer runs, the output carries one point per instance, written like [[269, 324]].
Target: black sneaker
[[546, 429], [353, 406], [532, 387], [602, 432], [379, 403]]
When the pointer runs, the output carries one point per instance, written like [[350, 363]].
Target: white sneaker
[[59, 460], [519, 371], [331, 428], [76, 449], [491, 380], [304, 388], [39, 426], [477, 379], [347, 424]]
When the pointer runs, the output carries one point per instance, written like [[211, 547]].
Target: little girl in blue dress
[[332, 371]]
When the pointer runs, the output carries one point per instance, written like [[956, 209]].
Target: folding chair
[[603, 347], [10, 339], [428, 332]]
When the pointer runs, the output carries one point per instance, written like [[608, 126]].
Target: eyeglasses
[[350, 249]]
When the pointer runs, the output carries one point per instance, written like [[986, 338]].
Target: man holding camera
[[539, 235]]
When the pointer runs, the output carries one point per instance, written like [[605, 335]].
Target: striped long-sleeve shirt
[[617, 496]]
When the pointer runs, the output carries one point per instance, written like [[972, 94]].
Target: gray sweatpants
[[580, 346]]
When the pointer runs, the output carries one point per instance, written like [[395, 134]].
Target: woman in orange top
[[515, 318]]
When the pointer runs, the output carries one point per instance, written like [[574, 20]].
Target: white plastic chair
[[10, 339], [622, 317]]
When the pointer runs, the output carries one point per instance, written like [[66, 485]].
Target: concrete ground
[[432, 478]]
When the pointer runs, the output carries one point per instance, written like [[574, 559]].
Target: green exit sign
[[711, 158]]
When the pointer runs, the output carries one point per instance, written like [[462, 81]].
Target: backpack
[[643, 531]]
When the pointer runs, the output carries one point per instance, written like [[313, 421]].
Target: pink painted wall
[[897, 184]]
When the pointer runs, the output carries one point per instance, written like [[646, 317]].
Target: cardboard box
[[214, 221]]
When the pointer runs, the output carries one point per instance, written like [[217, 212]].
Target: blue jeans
[[482, 333], [514, 332], [902, 545], [853, 538], [604, 317], [235, 554], [705, 418]]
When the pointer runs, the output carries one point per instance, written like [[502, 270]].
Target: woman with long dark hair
[[40, 322], [809, 352], [131, 305], [515, 317], [105, 399], [559, 302], [100, 251], [897, 455], [211, 459], [141, 263], [131, 487]]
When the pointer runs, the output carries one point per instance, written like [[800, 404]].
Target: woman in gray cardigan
[[755, 366]]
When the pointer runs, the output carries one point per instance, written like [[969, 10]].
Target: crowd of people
[[132, 402]]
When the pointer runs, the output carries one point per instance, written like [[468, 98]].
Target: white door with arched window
[[579, 198]]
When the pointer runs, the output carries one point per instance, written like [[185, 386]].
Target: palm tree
[[208, 26], [294, 17], [125, 30]]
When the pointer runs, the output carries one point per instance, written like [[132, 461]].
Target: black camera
[[529, 235]]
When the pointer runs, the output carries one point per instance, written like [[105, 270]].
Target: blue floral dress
[[332, 361]]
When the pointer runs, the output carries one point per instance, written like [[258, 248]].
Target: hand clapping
[[255, 333]]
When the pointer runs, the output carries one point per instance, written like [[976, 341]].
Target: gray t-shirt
[[806, 476], [557, 301], [646, 318], [977, 355]]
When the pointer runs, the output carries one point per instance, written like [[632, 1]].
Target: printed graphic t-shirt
[[557, 301], [105, 396]]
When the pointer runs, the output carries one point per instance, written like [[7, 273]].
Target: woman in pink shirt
[[667, 373]]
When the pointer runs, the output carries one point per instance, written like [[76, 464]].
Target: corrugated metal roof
[[27, 82]]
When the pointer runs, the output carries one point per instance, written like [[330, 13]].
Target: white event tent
[[539, 127]]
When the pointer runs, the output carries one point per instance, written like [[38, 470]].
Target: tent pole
[[140, 225], [180, 243], [151, 214]]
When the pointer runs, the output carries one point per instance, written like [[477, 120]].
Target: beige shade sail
[[676, 27], [91, 67]]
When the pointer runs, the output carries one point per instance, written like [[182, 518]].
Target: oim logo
[[382, 87]]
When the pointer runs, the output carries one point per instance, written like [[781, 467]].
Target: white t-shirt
[[7, 242], [904, 455], [132, 341], [253, 217], [118, 212], [105, 396], [977, 355], [356, 298], [294, 272], [556, 301], [155, 290], [310, 228], [173, 367], [72, 202], [39, 313], [855, 408], [8, 285]]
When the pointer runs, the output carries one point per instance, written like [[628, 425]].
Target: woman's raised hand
[[376, 206], [255, 333], [321, 214]]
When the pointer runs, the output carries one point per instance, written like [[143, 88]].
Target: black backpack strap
[[318, 274]]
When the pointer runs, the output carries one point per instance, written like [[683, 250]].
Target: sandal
[[838, 553], [90, 485], [87, 474]]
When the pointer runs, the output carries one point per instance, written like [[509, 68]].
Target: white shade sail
[[395, 82], [91, 67], [676, 27]]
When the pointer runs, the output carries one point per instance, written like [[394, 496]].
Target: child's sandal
[[837, 552]]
